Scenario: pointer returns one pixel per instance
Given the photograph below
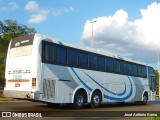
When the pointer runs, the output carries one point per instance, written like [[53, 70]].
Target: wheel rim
[[96, 99], [144, 98], [79, 100]]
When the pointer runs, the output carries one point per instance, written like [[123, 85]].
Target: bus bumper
[[19, 94]]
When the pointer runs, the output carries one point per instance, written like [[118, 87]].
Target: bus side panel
[[63, 85]]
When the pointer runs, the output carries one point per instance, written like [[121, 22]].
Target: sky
[[125, 27]]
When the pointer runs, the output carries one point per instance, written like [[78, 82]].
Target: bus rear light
[[33, 82]]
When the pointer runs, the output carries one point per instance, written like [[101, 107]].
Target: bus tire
[[96, 99], [145, 98], [79, 100]]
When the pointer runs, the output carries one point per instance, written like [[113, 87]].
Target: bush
[[157, 89], [2, 72], [1, 94]]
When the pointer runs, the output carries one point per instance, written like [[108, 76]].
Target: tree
[[10, 29], [156, 76]]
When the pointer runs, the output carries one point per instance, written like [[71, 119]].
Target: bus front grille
[[48, 89]]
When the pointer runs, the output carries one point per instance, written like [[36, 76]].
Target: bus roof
[[96, 51]]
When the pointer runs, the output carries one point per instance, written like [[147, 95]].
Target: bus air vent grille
[[48, 89]]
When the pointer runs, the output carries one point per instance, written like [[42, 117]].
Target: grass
[[154, 118]]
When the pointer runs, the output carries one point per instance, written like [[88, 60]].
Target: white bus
[[44, 69]]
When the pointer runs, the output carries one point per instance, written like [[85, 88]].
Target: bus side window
[[109, 64], [123, 67], [72, 57], [51, 53], [46, 52], [139, 71], [83, 59], [144, 72], [100, 63], [129, 69], [92, 61], [61, 55], [116, 66], [134, 69]]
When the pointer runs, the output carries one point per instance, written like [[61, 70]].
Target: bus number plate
[[17, 84]]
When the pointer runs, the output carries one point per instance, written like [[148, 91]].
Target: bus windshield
[[21, 46]]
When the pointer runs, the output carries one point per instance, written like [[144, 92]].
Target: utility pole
[[92, 41]]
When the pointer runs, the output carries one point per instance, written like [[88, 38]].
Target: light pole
[[92, 41]]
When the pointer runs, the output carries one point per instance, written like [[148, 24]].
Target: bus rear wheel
[[79, 100], [96, 99]]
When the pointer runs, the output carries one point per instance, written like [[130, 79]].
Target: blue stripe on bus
[[123, 98], [106, 96], [90, 89], [119, 94]]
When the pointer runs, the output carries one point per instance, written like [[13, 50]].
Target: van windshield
[[21, 46]]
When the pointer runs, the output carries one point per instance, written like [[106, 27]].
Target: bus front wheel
[[79, 100], [145, 98]]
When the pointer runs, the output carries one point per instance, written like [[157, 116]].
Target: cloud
[[41, 14], [31, 6], [60, 11], [4, 9], [38, 18], [12, 6], [140, 39]]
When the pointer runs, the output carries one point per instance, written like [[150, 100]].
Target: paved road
[[66, 111]]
